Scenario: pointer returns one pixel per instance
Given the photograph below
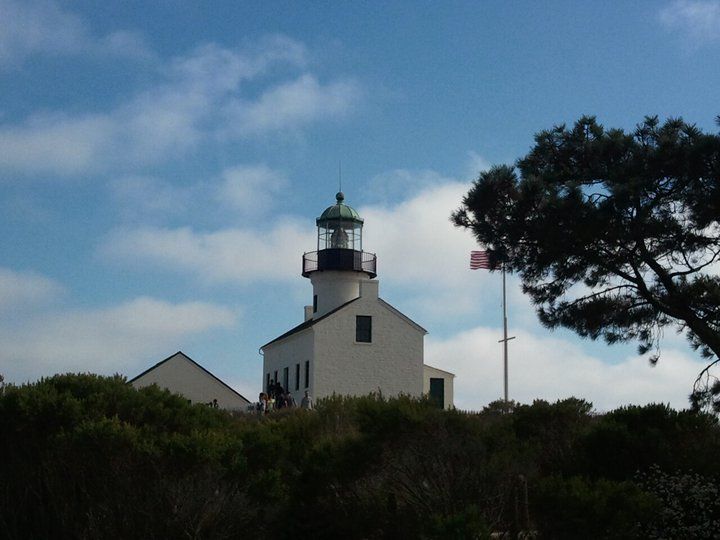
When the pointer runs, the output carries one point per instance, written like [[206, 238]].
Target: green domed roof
[[340, 212]]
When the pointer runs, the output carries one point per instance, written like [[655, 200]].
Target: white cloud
[[31, 28], [106, 340], [292, 104], [698, 21], [212, 68], [400, 185], [42, 27], [549, 368], [419, 250], [240, 192], [250, 188], [20, 290], [200, 98], [57, 143], [223, 256], [418, 246]]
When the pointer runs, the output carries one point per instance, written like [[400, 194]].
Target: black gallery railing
[[339, 259]]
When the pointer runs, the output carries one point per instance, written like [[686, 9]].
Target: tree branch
[[599, 293]]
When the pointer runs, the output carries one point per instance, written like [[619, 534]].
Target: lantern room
[[339, 242], [339, 227]]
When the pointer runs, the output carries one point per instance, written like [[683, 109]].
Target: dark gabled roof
[[310, 322], [307, 324], [196, 364]]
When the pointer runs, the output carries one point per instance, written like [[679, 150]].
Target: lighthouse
[[339, 266], [351, 341]]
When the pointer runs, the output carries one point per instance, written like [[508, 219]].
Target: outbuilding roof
[[438, 369], [186, 357]]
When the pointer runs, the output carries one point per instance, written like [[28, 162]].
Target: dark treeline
[[84, 456]]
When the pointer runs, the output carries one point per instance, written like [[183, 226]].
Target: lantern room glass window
[[340, 235]]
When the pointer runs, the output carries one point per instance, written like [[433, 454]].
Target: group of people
[[279, 398]]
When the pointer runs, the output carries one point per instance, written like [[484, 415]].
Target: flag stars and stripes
[[481, 259]]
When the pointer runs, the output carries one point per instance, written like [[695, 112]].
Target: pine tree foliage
[[614, 234]]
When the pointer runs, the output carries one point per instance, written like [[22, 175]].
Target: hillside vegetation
[[84, 456]]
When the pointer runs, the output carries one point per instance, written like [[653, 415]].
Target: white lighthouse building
[[351, 342]]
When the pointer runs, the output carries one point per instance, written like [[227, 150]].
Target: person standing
[[261, 405], [307, 402], [290, 401]]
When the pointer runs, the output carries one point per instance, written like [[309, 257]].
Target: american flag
[[481, 259]]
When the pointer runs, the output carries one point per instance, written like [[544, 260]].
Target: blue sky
[[162, 163]]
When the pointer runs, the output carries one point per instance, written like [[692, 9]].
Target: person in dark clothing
[[279, 396]]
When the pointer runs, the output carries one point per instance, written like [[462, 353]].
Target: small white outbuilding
[[182, 375]]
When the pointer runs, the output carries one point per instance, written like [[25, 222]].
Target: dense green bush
[[575, 507], [689, 505], [91, 457]]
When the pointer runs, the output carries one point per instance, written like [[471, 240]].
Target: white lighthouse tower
[[339, 266], [351, 342]]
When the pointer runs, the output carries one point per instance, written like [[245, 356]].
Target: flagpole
[[505, 336], [483, 259]]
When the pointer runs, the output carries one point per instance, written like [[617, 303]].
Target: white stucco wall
[[293, 350], [448, 378], [334, 288], [182, 376], [391, 364]]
